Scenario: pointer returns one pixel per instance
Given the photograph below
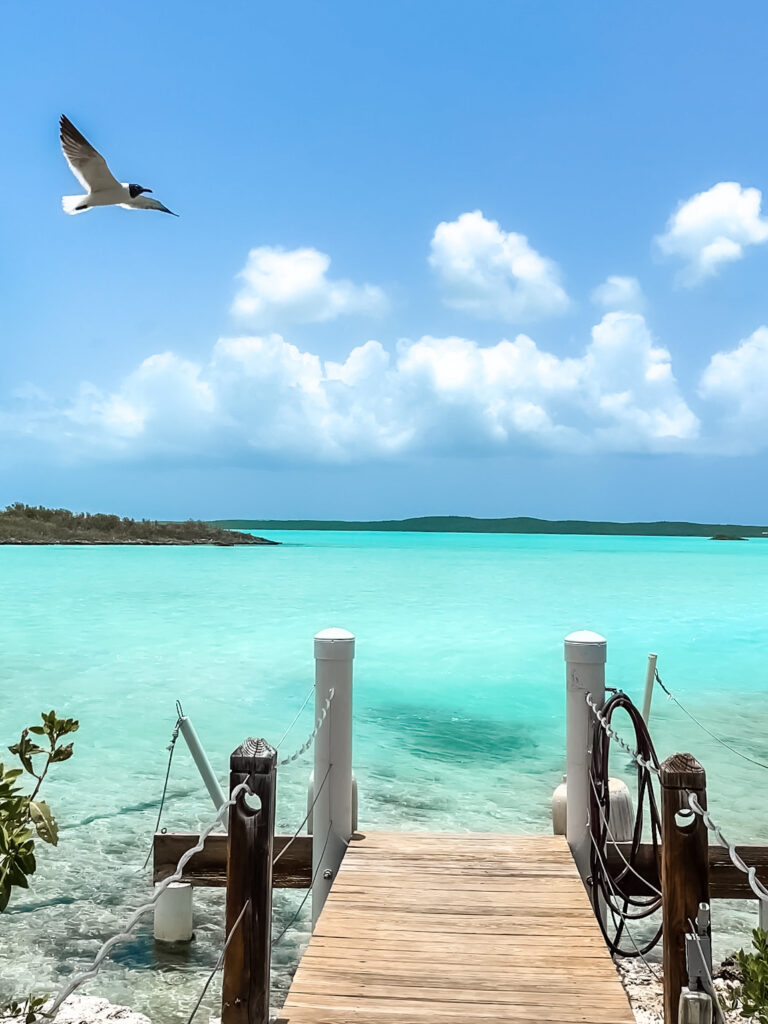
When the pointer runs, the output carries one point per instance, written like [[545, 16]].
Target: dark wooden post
[[684, 868], [245, 988]]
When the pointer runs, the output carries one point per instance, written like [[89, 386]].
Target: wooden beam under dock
[[726, 882], [294, 869], [209, 868]]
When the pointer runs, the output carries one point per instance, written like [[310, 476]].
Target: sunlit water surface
[[459, 704]]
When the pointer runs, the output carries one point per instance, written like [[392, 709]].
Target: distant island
[[519, 524], [28, 524]]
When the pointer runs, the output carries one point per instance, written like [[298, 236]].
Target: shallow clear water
[[459, 702]]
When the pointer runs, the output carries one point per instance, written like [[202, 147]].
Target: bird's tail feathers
[[71, 204]]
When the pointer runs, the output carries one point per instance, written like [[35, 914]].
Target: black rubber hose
[[608, 892]]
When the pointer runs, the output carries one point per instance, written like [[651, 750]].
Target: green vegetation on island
[[519, 524], [28, 524]]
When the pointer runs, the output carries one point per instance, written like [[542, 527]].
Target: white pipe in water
[[650, 679], [201, 760], [173, 913]]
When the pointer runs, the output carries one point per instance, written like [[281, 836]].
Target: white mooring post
[[650, 680], [585, 655], [332, 814]]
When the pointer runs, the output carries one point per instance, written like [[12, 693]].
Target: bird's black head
[[136, 190]]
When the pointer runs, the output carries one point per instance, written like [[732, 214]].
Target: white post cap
[[585, 648], [334, 645]]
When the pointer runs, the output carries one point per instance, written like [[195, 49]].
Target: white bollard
[[173, 914], [650, 680], [332, 814], [621, 819], [762, 915], [585, 655]]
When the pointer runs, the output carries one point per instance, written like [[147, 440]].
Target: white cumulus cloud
[[494, 273], [713, 228], [292, 286], [737, 381], [619, 293], [264, 397]]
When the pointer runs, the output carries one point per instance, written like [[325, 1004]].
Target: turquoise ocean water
[[459, 702]]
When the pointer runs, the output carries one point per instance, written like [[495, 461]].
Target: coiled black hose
[[609, 895]]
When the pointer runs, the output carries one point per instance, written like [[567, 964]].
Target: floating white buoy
[[173, 914], [621, 819]]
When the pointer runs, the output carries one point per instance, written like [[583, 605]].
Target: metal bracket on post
[[698, 952]]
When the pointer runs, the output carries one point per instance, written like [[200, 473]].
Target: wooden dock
[[438, 928]]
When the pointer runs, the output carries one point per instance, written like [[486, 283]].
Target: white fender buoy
[[560, 809], [621, 819]]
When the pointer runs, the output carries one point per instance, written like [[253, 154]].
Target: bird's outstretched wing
[[85, 162], [145, 203]]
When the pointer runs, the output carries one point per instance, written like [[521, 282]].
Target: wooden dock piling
[[245, 988], [684, 868]]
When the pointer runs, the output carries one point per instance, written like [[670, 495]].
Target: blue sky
[[386, 292]]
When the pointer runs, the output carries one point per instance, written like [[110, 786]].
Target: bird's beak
[[146, 190]]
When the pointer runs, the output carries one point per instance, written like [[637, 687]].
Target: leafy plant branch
[[23, 816]]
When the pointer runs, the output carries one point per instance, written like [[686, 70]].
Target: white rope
[[295, 720], [755, 884], [219, 962], [704, 728], [98, 960], [308, 892], [618, 913], [637, 758], [310, 740], [296, 834], [616, 844]]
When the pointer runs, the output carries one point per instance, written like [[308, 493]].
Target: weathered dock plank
[[437, 929]]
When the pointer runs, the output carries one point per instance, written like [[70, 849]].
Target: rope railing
[[758, 888], [296, 717], [704, 728], [297, 833], [623, 902], [622, 922], [300, 907], [74, 983], [636, 757], [219, 962], [617, 845], [312, 736], [755, 884]]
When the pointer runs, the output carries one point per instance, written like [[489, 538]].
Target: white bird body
[[91, 170]]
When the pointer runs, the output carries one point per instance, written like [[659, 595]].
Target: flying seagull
[[90, 169]]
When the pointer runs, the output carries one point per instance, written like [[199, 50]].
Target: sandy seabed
[[91, 1010]]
